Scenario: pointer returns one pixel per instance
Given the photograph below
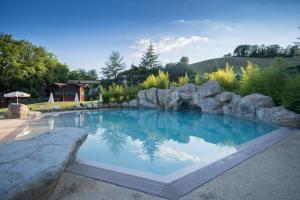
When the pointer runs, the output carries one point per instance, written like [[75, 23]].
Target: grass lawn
[[48, 106]]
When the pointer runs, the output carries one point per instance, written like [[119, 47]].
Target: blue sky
[[83, 33]]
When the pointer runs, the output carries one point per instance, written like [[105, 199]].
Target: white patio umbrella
[[51, 99], [16, 94], [76, 99], [100, 98]]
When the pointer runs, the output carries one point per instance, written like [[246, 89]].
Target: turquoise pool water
[[156, 141]]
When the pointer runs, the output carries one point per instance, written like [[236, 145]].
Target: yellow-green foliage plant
[[160, 81], [149, 82], [249, 75], [183, 80], [199, 80], [226, 77]]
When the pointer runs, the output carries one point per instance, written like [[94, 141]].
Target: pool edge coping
[[183, 181]]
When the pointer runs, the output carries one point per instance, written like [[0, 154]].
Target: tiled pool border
[[183, 181]]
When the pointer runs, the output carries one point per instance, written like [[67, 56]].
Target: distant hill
[[213, 64]]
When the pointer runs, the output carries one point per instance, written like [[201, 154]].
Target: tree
[[184, 60], [179, 69], [135, 75], [27, 67], [82, 74], [150, 58], [113, 66]]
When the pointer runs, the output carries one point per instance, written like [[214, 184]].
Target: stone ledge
[[31, 168]]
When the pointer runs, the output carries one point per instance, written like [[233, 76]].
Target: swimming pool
[[156, 141], [164, 153]]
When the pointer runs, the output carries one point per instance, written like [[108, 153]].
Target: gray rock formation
[[279, 115], [211, 98], [134, 103], [31, 168], [224, 96], [210, 88], [233, 106]]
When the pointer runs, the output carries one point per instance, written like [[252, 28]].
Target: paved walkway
[[10, 128], [272, 174]]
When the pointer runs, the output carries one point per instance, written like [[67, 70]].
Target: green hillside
[[213, 64]]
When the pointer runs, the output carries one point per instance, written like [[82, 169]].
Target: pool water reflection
[[156, 141]]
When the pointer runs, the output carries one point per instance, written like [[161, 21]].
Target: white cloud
[[209, 24], [165, 44]]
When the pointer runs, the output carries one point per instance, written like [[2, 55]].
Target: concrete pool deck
[[271, 174], [10, 128]]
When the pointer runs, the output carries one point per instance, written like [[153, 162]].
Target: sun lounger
[[89, 106], [77, 107], [95, 106]]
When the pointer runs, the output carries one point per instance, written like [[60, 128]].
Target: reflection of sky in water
[[154, 141]]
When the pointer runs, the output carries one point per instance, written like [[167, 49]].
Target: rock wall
[[211, 98], [31, 168]]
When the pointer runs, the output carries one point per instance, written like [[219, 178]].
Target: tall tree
[[184, 60], [150, 58], [113, 66], [27, 67]]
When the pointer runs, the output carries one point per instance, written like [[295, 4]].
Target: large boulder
[[142, 94], [162, 95], [146, 103], [279, 115], [125, 104], [151, 95], [211, 105], [247, 109], [233, 106], [259, 100], [188, 88], [17, 111], [31, 168], [250, 103], [134, 103], [224, 96], [173, 101], [210, 88]]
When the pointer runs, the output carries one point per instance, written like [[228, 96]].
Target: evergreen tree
[[113, 66], [150, 58]]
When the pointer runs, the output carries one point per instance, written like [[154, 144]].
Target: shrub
[[183, 80], [149, 82], [249, 75], [118, 93], [269, 81], [160, 81], [199, 80], [291, 94], [226, 77]]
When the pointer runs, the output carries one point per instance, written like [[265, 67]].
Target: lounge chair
[[89, 106], [77, 107], [95, 106]]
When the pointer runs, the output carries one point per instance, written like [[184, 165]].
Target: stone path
[[272, 174]]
